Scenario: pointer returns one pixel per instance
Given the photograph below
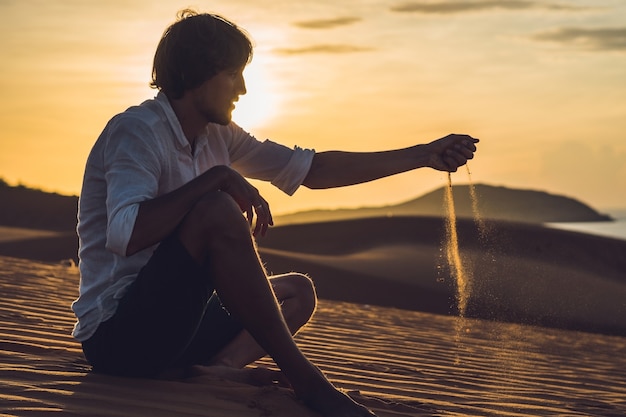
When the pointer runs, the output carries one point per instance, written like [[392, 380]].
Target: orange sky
[[542, 83]]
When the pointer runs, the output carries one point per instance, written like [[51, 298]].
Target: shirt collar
[[181, 139], [164, 103]]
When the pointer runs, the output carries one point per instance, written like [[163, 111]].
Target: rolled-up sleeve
[[284, 167], [295, 171], [132, 172]]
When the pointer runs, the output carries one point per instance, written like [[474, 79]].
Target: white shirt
[[142, 154]]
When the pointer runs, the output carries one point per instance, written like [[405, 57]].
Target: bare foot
[[337, 404], [320, 395], [253, 376], [324, 398]]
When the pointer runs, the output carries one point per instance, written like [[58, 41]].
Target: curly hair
[[194, 49]]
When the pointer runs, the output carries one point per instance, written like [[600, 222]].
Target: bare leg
[[296, 296], [215, 233]]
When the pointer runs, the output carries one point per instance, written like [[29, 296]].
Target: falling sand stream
[[458, 269], [453, 256]]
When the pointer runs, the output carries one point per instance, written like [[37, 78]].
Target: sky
[[541, 83]]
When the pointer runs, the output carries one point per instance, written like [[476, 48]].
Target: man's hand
[[451, 152], [248, 198]]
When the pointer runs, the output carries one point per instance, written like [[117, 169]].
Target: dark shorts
[[170, 316]]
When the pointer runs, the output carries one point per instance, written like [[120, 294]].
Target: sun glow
[[261, 102]]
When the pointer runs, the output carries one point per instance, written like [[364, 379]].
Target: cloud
[[592, 39], [327, 23], [461, 6], [323, 49]]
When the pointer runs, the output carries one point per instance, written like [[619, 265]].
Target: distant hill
[[35, 209], [497, 203], [25, 207]]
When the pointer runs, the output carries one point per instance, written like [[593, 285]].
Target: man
[[170, 275]]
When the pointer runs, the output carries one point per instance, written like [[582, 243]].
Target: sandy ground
[[397, 360], [400, 363]]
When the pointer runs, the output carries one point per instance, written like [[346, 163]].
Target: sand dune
[[398, 362], [16, 234], [518, 272], [41, 245]]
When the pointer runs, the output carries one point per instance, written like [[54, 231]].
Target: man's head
[[195, 48]]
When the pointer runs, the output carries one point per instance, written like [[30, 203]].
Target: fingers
[[459, 149], [263, 217], [458, 155], [250, 202]]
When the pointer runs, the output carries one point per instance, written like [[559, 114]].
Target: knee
[[216, 212], [304, 289], [214, 219]]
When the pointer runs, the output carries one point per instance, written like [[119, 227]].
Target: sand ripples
[[400, 363]]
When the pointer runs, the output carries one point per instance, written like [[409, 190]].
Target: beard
[[219, 117]]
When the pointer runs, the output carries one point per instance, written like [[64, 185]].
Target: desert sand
[[385, 329]]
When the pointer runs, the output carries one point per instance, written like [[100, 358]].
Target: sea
[[614, 229]]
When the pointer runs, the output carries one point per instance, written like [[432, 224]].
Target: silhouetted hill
[[25, 207], [497, 203]]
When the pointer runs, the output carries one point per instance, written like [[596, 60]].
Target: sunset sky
[[541, 83]]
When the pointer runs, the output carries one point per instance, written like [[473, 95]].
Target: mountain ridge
[[492, 202], [36, 209]]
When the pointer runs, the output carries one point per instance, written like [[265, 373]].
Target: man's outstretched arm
[[337, 169]]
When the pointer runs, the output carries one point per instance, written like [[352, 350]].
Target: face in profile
[[215, 98]]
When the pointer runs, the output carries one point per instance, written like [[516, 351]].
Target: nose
[[241, 86]]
